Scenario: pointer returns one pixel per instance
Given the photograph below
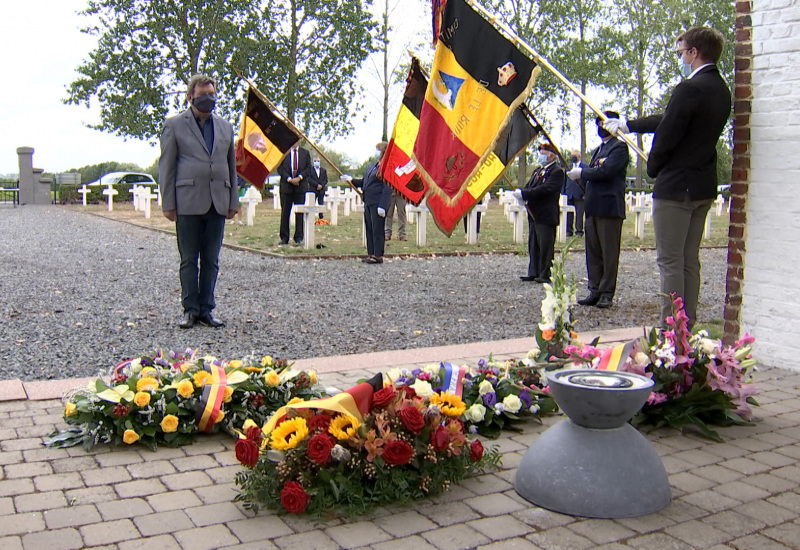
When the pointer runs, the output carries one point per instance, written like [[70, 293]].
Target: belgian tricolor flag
[[478, 80], [264, 139], [511, 142], [397, 168]]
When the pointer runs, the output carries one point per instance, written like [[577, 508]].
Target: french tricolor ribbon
[[210, 402], [453, 382]]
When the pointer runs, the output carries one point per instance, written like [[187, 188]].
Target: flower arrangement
[[320, 459], [698, 381], [555, 331], [170, 397], [495, 394]]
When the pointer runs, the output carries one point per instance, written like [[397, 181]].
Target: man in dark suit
[[575, 190], [605, 211], [683, 160], [197, 176], [541, 194], [294, 170], [317, 182], [377, 196]]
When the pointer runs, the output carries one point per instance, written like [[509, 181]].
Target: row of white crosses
[[641, 205], [516, 212]]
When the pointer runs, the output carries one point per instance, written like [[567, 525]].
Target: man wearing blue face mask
[[197, 177], [317, 182], [541, 195], [683, 159]]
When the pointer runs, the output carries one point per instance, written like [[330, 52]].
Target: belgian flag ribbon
[[478, 80], [613, 358], [211, 400], [264, 139]]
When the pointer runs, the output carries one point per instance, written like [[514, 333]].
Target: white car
[[130, 178]]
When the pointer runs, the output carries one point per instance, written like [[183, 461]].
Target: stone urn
[[593, 463]]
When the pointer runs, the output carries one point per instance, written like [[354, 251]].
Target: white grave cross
[[309, 209], [564, 210], [84, 191], [110, 192], [419, 215]]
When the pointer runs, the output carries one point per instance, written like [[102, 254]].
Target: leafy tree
[[306, 54], [303, 54]]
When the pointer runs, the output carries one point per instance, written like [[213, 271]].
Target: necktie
[[294, 163]]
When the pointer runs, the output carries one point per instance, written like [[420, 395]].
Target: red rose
[[319, 448], [246, 452], [440, 438], [294, 498], [397, 452], [409, 391], [253, 433], [383, 396], [319, 421], [411, 418], [475, 450]]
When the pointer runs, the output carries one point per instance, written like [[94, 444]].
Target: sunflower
[[450, 405], [147, 383], [288, 434], [252, 369], [343, 426], [202, 378]]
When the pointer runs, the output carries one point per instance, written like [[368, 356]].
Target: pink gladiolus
[[745, 340], [656, 397]]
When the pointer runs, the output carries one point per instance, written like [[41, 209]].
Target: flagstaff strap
[[613, 358], [453, 379], [211, 401]]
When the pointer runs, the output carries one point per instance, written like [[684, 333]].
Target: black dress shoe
[[208, 320], [189, 320], [284, 242], [540, 280], [590, 300], [527, 278], [366, 260], [605, 301]]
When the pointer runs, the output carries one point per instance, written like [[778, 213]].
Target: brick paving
[[742, 494]]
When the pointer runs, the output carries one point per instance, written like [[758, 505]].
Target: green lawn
[[345, 239]]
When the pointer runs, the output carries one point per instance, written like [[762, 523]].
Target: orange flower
[[169, 423], [573, 334], [548, 334], [130, 437]]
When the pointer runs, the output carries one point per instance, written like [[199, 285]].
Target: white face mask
[[542, 159], [316, 164]]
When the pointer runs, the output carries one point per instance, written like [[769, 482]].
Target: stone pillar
[[26, 179]]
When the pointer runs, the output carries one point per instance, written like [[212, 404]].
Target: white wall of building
[[771, 287]]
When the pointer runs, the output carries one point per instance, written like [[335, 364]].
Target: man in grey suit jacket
[[197, 176]]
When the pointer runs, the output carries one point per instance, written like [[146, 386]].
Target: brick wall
[[763, 283]]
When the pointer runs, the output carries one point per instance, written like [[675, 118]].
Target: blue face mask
[[542, 159], [686, 69]]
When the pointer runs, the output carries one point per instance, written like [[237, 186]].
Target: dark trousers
[[577, 217], [602, 254], [287, 200], [376, 240], [477, 222], [541, 248], [320, 200], [199, 237]]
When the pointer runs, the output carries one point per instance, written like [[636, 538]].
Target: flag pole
[[546, 64], [294, 128], [546, 136]]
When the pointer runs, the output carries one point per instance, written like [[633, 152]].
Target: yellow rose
[[146, 383], [235, 364], [130, 436], [185, 388], [220, 416], [141, 399], [201, 378], [227, 394], [272, 378], [70, 409], [266, 361], [169, 424], [149, 371], [312, 375]]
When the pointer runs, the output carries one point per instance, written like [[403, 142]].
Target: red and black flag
[[264, 139], [478, 80], [397, 168]]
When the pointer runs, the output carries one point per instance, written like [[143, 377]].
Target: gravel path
[[80, 293]]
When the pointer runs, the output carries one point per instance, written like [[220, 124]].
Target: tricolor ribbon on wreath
[[210, 402]]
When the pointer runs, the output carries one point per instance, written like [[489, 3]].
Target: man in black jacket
[[683, 159], [317, 182], [293, 170], [541, 194], [605, 211]]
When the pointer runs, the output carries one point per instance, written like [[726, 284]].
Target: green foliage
[[93, 172]]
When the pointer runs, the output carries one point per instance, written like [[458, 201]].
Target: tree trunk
[[291, 81], [385, 135]]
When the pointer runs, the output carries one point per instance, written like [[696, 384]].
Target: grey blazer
[[190, 178]]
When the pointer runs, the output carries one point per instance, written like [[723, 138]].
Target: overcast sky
[[42, 47]]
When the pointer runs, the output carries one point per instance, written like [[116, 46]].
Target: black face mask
[[574, 160], [204, 103], [602, 132]]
